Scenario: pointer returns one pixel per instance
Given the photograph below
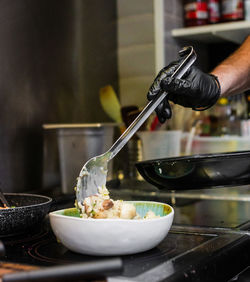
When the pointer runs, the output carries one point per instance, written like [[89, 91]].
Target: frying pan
[[197, 171], [28, 210]]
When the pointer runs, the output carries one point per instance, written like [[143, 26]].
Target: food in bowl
[[113, 236], [101, 206], [102, 226]]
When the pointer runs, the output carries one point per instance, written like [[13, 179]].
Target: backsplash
[[55, 55]]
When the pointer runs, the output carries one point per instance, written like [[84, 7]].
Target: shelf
[[234, 32]]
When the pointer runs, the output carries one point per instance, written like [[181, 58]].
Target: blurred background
[[56, 55]]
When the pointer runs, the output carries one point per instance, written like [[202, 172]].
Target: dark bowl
[[197, 171], [27, 212]]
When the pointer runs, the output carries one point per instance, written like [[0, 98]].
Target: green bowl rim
[[171, 213]]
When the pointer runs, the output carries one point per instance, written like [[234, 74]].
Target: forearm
[[234, 72]]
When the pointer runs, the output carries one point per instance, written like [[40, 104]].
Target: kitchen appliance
[[68, 145], [209, 241]]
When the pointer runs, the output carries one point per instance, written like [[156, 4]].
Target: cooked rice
[[101, 206]]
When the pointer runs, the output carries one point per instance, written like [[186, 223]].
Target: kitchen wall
[[145, 44], [54, 57]]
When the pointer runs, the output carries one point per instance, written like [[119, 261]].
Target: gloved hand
[[196, 89]]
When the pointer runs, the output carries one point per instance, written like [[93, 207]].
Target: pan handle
[[2, 249], [93, 269]]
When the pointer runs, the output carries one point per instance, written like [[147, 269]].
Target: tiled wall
[[145, 44], [173, 18], [139, 45], [136, 49]]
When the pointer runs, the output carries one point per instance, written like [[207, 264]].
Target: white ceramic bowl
[[112, 236]]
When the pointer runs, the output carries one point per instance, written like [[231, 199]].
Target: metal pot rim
[[79, 125]]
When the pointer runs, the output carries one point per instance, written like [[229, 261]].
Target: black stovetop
[[209, 241]]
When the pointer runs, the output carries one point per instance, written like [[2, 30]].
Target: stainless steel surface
[[78, 143], [205, 233], [93, 173], [142, 189]]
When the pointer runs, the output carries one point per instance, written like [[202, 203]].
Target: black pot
[[26, 212]]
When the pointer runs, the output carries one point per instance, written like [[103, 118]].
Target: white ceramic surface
[[113, 236]]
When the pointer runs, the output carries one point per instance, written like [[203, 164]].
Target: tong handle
[[3, 199], [189, 56]]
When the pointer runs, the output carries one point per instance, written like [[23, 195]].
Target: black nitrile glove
[[196, 89], [163, 111]]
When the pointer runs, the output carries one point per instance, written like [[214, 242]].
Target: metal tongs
[[3, 199], [94, 172]]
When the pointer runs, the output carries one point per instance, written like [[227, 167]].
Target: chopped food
[[101, 206]]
